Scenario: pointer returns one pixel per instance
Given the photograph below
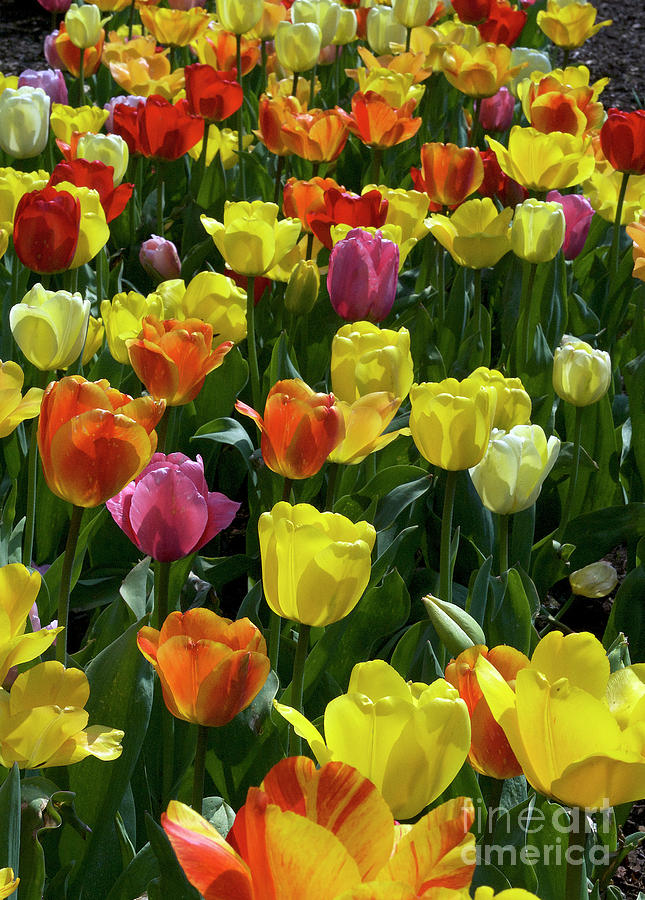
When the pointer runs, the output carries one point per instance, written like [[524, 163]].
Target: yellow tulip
[[487, 893], [4, 241], [251, 239], [18, 591], [406, 209], [347, 27], [297, 46], [109, 149], [510, 476], [396, 88], [451, 421], [13, 184], [383, 29], [365, 421], [413, 13], [94, 339], [538, 230], [273, 12], [239, 16], [479, 72], [172, 293], [544, 162], [433, 42], [8, 883], [409, 739], [14, 408], [65, 120], [315, 566], [50, 327], [602, 190], [216, 299], [24, 118], [42, 720], [117, 48], [575, 728], [83, 25], [581, 375], [366, 359], [513, 404], [8, 81], [143, 77], [223, 141], [174, 26], [122, 318], [569, 25], [323, 13], [476, 234]]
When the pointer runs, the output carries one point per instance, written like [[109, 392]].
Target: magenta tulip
[[578, 214], [496, 113], [159, 258], [51, 51], [52, 81], [362, 277], [56, 6], [168, 511]]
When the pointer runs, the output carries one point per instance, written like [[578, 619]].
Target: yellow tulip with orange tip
[[18, 591], [552, 104], [476, 235], [43, 722], [146, 76], [544, 162], [479, 72], [575, 729], [569, 25], [14, 408], [122, 317], [409, 739], [406, 209], [396, 88], [117, 50], [324, 834]]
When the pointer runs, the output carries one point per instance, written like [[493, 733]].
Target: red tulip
[[622, 139], [99, 177], [157, 128], [344, 208], [46, 228], [212, 95], [472, 12], [448, 173], [504, 24]]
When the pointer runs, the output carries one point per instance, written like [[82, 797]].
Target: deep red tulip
[[158, 128], [99, 177], [472, 12], [622, 139], [212, 95], [504, 24], [45, 230], [345, 208], [497, 184]]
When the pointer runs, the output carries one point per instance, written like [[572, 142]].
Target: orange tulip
[[479, 72], [448, 173], [173, 358], [300, 428], [322, 834], [210, 668], [218, 48], [93, 440], [378, 124], [318, 135], [490, 753], [551, 105], [273, 112], [301, 199]]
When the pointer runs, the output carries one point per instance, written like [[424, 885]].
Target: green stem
[[199, 770], [275, 627], [575, 857], [615, 242], [575, 463], [294, 84], [278, 180], [131, 20], [297, 684], [167, 755], [162, 583], [201, 162], [503, 523], [240, 120], [160, 199], [441, 282], [32, 477], [264, 57], [81, 79], [445, 575], [332, 477], [477, 306], [407, 39], [528, 279], [7, 343], [250, 340], [338, 73], [377, 156], [66, 580], [312, 86]]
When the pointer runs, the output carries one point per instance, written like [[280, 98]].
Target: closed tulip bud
[[94, 339], [537, 232], [50, 327], [581, 375], [324, 13], [347, 26], [490, 753], [383, 30], [457, 630], [110, 149], [451, 421], [14, 408], [413, 13], [595, 580], [298, 46], [363, 275], [51, 81], [299, 429], [159, 258], [302, 288], [55, 6], [315, 566], [83, 24], [239, 16], [409, 739], [366, 359], [24, 121], [578, 213], [510, 476], [513, 404], [496, 113]]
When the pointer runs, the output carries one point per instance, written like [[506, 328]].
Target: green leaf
[[634, 375], [415, 656], [219, 814], [594, 534], [132, 883], [135, 589], [172, 882], [10, 819], [628, 614], [227, 431]]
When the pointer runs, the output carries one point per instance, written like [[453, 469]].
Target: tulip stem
[[407, 39], [575, 463], [66, 580], [278, 180], [377, 156], [250, 340], [338, 72], [477, 304], [332, 476], [297, 684], [199, 768], [528, 279], [294, 84], [445, 568], [7, 343], [503, 523], [575, 856], [81, 78], [615, 243], [312, 86], [160, 199], [131, 20], [441, 282], [240, 119], [162, 583], [32, 476]]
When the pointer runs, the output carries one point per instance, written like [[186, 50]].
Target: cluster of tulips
[[373, 270]]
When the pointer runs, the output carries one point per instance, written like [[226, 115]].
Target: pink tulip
[[496, 113], [363, 274], [52, 81], [159, 258], [185, 4], [51, 51], [56, 6], [578, 214], [168, 511]]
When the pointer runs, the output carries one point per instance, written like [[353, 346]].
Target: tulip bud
[[324, 13], [363, 275], [298, 46], [24, 121], [83, 25], [94, 339], [50, 327], [159, 258], [109, 149], [595, 580], [51, 81], [457, 630], [383, 30], [239, 16], [581, 375], [578, 213], [366, 359], [537, 232], [413, 13], [496, 113], [347, 27], [302, 288], [55, 6]]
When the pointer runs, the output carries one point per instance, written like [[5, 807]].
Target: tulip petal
[[231, 687], [49, 684], [304, 729], [602, 780], [183, 664], [580, 658]]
